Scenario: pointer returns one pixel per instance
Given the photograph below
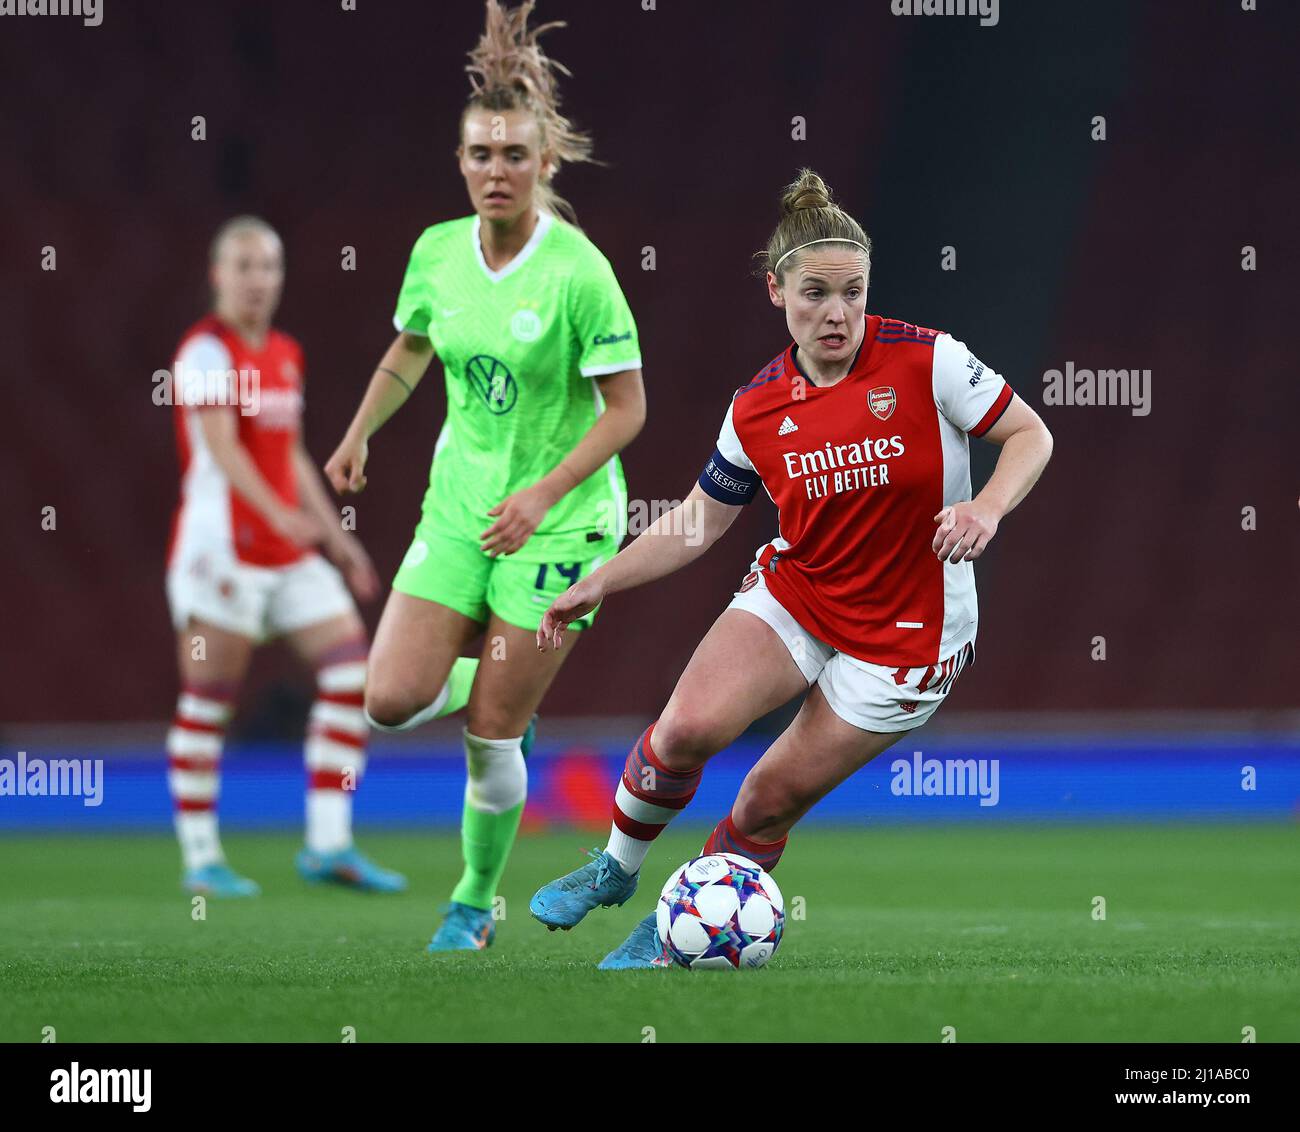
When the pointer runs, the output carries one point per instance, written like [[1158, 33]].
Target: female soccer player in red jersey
[[866, 599], [241, 567]]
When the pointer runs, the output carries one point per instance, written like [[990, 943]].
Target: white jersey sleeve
[[204, 373], [729, 476], [967, 392]]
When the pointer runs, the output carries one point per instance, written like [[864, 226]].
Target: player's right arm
[[676, 539], [728, 482], [221, 435], [399, 371]]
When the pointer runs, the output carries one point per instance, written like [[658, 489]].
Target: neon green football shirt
[[522, 348]]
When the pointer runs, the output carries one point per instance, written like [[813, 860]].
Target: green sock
[[459, 683], [486, 840]]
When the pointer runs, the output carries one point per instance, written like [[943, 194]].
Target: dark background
[[339, 128]]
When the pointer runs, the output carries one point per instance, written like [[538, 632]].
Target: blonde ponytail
[[509, 71]]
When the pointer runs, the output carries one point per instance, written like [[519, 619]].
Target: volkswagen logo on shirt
[[493, 381], [526, 326]]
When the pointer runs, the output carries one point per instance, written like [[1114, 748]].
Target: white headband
[[827, 240]]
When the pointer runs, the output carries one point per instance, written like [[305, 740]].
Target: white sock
[[329, 820], [196, 830], [627, 851], [335, 753], [194, 744]]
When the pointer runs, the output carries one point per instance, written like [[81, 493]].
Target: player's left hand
[[517, 517], [964, 531], [357, 569]]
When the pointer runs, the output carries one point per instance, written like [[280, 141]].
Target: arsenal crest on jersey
[[882, 401]]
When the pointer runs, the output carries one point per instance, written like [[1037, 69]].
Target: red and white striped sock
[[649, 796], [335, 750], [194, 744], [727, 838]]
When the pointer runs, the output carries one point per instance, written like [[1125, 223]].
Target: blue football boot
[[464, 929], [220, 880], [601, 883], [641, 950], [349, 867]]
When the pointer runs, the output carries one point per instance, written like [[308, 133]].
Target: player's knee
[[685, 738], [388, 707], [765, 807], [491, 720]]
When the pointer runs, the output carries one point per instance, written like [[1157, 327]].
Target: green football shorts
[[454, 572]]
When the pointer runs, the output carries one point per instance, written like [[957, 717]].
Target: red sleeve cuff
[[999, 406]]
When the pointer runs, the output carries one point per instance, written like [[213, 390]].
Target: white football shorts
[[869, 696], [255, 601]]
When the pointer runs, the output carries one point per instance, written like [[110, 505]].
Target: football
[[720, 911]]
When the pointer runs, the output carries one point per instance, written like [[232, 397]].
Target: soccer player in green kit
[[526, 494]]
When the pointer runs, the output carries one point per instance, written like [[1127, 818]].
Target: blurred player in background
[[858, 432], [241, 568], [526, 494]]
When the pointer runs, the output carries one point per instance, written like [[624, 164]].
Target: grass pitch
[[906, 931]]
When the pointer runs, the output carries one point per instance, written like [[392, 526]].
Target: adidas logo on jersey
[[787, 426]]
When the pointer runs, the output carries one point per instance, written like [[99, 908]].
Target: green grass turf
[[906, 931]]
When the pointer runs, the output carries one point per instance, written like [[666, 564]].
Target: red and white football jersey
[[214, 366], [857, 471]]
